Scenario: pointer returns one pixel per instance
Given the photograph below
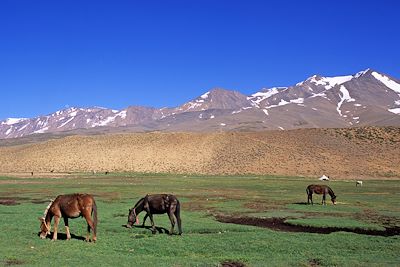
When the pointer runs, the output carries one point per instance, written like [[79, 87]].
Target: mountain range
[[367, 98]]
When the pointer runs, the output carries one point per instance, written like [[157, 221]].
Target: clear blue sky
[[164, 53]]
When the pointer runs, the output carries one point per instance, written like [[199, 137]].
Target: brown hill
[[340, 153]]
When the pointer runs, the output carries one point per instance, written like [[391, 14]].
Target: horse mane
[[47, 209], [138, 203], [331, 193]]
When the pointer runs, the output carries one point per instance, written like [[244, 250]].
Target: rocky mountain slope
[[339, 153], [367, 98]]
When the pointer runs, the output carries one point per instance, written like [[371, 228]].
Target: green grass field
[[205, 241]]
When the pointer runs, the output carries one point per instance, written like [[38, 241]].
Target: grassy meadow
[[205, 241]]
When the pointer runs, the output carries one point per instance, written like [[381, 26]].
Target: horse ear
[[41, 219]]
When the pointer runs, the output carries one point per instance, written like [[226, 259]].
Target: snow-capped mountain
[[365, 98]]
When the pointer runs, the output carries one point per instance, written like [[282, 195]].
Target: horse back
[[317, 189], [160, 203], [73, 205]]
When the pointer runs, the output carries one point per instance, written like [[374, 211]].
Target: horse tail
[[94, 210], [178, 216]]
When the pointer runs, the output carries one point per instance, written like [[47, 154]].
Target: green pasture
[[205, 241]]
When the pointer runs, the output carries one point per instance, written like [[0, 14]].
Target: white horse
[[324, 178], [359, 183]]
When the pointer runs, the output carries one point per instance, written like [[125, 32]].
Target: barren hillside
[[340, 153]]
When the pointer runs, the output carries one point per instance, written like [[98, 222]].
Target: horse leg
[[144, 219], [56, 221], [323, 199], [153, 227], [90, 225], [67, 228], [173, 220]]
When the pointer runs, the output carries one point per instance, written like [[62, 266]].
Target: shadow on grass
[[300, 203], [63, 236], [160, 230]]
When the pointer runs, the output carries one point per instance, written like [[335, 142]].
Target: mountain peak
[[365, 98], [363, 72]]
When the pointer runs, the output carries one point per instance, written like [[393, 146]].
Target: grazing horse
[[156, 204], [359, 183], [69, 206], [320, 189]]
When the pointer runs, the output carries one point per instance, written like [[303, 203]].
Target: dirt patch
[[12, 262], [108, 196], [8, 202], [314, 262], [232, 264], [374, 217], [39, 201], [279, 224]]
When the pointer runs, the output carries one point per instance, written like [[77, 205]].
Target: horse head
[[333, 199], [44, 228], [132, 218]]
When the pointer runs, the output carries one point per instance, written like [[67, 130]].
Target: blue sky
[[115, 54]]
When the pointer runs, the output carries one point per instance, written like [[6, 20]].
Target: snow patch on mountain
[[395, 110], [258, 97], [387, 82], [11, 121], [323, 95], [330, 82], [65, 123], [344, 97], [205, 96], [283, 102], [361, 73], [122, 114], [42, 130]]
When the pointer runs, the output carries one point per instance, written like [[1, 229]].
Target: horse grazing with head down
[[156, 204], [69, 206], [320, 189]]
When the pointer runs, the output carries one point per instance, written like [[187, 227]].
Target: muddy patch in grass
[[279, 224], [229, 263], [8, 202], [315, 262], [12, 262], [40, 201]]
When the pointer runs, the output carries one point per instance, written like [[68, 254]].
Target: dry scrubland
[[341, 153]]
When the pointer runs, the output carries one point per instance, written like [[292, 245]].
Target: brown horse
[[69, 206], [156, 204], [320, 189]]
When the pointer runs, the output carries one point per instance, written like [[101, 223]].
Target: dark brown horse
[[69, 206], [157, 204], [320, 189]]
